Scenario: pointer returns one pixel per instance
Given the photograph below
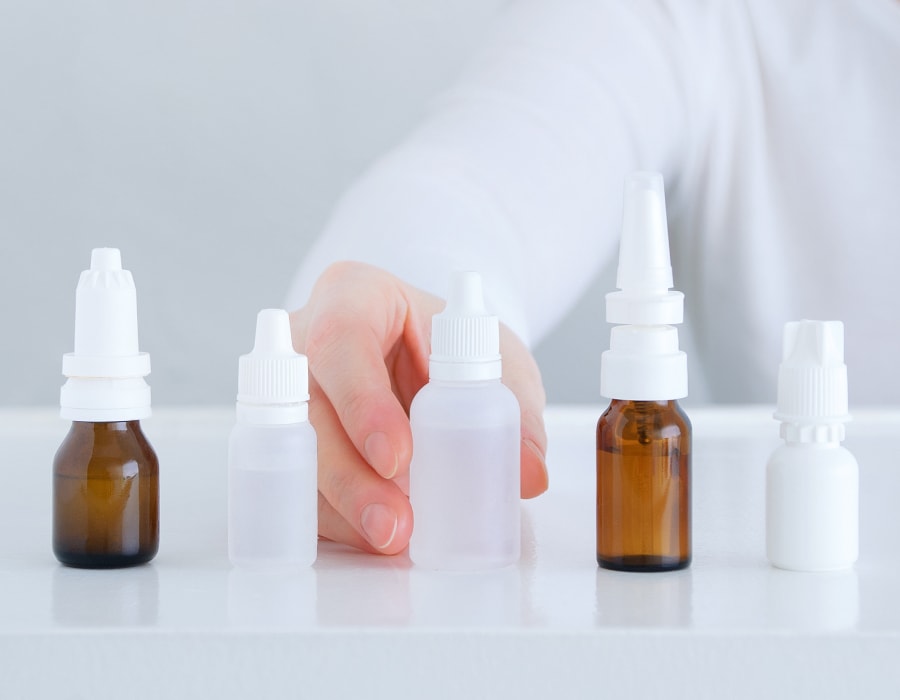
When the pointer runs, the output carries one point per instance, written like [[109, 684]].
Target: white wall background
[[208, 140]]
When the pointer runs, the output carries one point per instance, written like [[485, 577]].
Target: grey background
[[208, 140]]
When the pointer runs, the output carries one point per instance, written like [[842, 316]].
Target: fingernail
[[380, 454], [379, 524]]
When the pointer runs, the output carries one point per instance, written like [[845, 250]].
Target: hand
[[367, 336]]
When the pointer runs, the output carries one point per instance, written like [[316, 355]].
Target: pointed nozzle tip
[[273, 333], [466, 296], [644, 261], [106, 260], [813, 344], [645, 180]]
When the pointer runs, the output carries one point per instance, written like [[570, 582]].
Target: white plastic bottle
[[812, 482], [464, 482], [272, 486]]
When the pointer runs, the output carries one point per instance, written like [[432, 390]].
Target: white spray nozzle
[[465, 339], [644, 275], [273, 374], [643, 362], [644, 264], [812, 377]]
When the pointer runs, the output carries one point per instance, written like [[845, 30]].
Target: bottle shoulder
[[104, 446], [290, 446], [242, 430], [477, 403], [621, 414], [812, 456]]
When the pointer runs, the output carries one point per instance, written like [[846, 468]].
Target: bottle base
[[82, 560], [644, 562]]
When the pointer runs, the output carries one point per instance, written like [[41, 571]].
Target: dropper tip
[[466, 296], [273, 333], [106, 260], [813, 344]]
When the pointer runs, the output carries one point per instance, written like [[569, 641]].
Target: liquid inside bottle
[[105, 496], [643, 487]]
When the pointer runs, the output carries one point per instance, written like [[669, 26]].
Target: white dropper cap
[[465, 339], [643, 362], [105, 372], [812, 382], [273, 379]]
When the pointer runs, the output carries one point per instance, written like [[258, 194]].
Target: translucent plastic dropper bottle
[[272, 485], [812, 482], [105, 473], [644, 438], [464, 483]]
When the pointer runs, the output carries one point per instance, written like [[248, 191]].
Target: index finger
[[352, 328]]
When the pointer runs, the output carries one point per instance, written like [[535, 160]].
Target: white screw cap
[[105, 372], [273, 373], [106, 328], [812, 377], [465, 339]]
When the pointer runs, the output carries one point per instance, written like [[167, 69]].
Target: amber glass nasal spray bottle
[[644, 438], [105, 474]]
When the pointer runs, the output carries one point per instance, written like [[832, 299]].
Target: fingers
[[356, 505], [353, 326], [366, 336], [522, 376]]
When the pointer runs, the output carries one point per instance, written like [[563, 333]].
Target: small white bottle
[[464, 481], [272, 485], [812, 482]]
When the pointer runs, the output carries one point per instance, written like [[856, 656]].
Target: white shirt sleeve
[[518, 170]]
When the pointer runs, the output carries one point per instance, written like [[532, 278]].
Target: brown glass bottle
[[105, 496], [644, 486]]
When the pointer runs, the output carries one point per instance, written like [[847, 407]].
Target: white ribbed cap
[[812, 381], [273, 379], [465, 339], [105, 372]]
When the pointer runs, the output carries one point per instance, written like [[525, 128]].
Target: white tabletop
[[188, 625]]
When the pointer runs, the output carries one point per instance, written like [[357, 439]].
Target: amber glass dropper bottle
[[105, 473], [644, 438]]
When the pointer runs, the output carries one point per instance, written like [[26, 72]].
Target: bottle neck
[[104, 399], [116, 426], [439, 370], [272, 414], [830, 434], [649, 405], [462, 383]]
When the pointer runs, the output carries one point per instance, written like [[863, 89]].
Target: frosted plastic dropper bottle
[[272, 486], [644, 438], [105, 473], [464, 483], [812, 482]]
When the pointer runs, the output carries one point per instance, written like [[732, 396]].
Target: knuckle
[[337, 273]]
